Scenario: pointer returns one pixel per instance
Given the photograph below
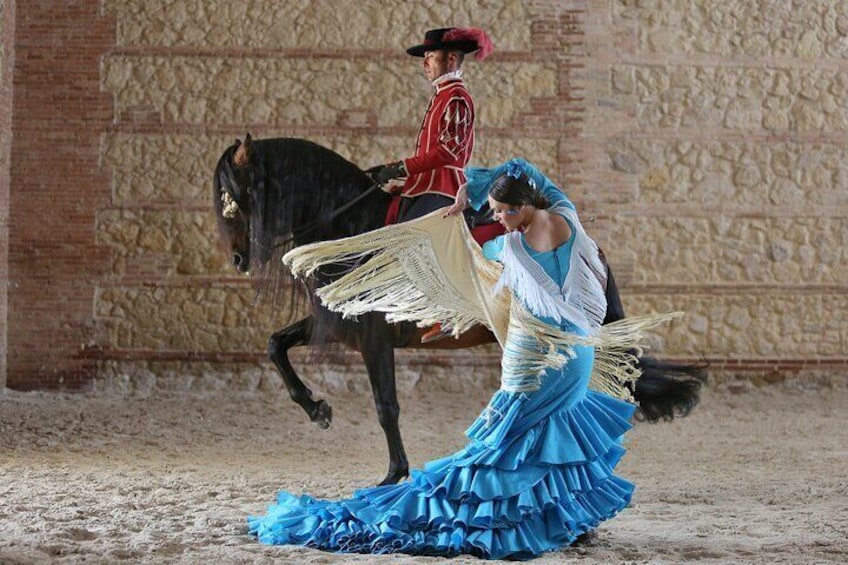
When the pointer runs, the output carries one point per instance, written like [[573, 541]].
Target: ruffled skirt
[[536, 473]]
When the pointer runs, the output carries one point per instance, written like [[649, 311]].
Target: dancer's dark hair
[[518, 191]]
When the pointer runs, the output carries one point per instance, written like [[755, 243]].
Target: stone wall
[[182, 92], [703, 141], [721, 127]]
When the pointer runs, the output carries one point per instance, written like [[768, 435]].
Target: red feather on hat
[[484, 44]]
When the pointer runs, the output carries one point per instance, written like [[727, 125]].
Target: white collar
[[448, 76]]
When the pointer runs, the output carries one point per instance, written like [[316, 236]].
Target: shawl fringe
[[617, 348], [395, 270], [418, 271]]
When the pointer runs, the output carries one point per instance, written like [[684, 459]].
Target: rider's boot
[[435, 333]]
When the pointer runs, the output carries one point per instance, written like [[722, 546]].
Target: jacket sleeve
[[456, 125]]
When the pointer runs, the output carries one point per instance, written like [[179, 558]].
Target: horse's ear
[[243, 151], [242, 154]]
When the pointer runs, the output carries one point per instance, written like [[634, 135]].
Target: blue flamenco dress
[[536, 473]]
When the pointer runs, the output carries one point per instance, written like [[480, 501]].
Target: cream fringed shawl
[[431, 270]]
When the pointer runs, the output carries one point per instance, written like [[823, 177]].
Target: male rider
[[432, 176]]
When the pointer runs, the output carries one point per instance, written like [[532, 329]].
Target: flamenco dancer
[[538, 469]]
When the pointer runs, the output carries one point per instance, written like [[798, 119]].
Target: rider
[[446, 138]]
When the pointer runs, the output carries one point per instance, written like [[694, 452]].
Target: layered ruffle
[[518, 489]]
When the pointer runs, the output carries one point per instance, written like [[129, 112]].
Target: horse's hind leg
[[279, 344]]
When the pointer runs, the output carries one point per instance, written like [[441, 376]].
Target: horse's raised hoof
[[323, 415]]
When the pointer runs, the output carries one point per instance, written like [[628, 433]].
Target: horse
[[273, 194]]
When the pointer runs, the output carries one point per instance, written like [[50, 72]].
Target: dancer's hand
[[460, 203]]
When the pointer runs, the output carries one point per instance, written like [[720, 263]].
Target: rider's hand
[[460, 202], [384, 173]]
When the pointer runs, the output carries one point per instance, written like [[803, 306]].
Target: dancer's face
[[510, 216]]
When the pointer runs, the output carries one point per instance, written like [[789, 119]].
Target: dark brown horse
[[271, 195]]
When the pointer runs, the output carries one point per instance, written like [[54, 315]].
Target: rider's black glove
[[384, 173]]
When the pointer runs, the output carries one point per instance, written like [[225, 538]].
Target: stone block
[[286, 92], [714, 250], [731, 28], [143, 378], [739, 98], [191, 318], [177, 169], [734, 174], [183, 242], [322, 24], [738, 325]]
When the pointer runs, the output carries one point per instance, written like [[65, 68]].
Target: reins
[[311, 226]]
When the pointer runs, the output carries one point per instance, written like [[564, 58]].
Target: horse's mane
[[294, 183], [299, 182]]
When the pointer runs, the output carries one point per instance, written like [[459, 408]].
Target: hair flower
[[514, 169]]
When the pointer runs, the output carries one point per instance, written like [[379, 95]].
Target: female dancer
[[537, 471]]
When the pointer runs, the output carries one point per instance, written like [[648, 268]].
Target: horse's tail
[[665, 389]]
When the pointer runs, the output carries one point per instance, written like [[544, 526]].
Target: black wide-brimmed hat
[[465, 39]]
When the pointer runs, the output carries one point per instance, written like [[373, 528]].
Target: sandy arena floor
[[760, 476]]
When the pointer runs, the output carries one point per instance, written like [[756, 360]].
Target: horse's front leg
[[379, 356], [279, 344]]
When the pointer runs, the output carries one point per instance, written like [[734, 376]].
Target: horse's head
[[232, 195], [272, 194]]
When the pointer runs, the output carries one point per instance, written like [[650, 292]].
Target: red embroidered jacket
[[445, 142]]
